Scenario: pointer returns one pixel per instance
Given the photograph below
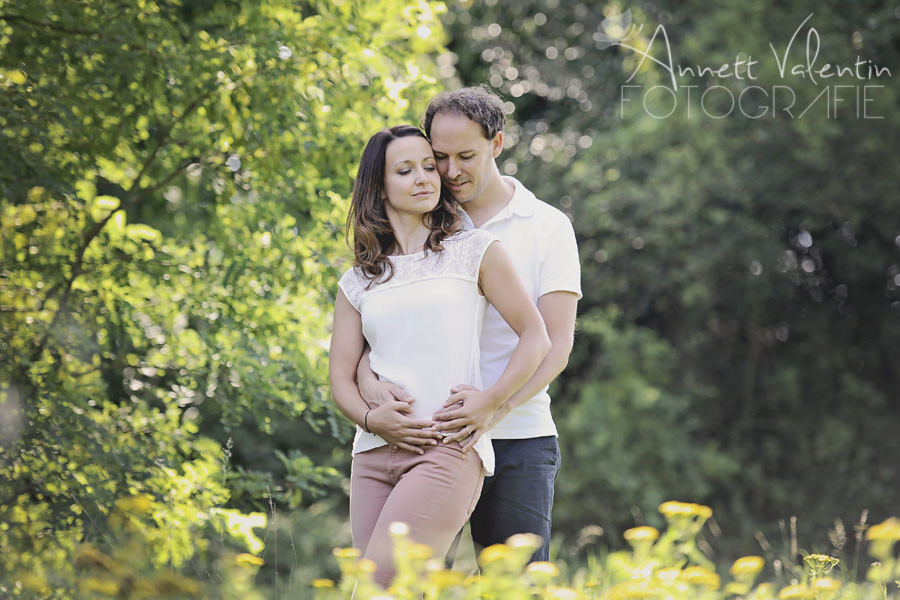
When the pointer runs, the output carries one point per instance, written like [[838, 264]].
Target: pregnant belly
[[429, 394]]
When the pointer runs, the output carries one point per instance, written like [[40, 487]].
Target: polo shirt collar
[[522, 204]]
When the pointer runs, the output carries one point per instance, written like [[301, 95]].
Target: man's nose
[[452, 169]]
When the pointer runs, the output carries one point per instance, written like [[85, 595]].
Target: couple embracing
[[457, 314]]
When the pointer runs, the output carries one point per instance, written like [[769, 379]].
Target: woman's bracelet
[[366, 421]]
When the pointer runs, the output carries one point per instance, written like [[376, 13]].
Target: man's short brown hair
[[478, 103]]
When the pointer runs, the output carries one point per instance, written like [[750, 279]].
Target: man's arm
[[559, 279], [376, 392], [392, 423], [558, 311]]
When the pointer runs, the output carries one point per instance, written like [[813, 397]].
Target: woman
[[417, 294]]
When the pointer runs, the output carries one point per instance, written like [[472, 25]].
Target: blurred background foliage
[[175, 176], [738, 336]]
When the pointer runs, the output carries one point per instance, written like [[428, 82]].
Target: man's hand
[[391, 421], [378, 393], [468, 414], [375, 392]]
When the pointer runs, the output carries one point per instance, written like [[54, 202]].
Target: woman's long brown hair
[[373, 237]]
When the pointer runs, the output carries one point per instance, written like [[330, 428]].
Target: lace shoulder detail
[[353, 285], [469, 248], [461, 257]]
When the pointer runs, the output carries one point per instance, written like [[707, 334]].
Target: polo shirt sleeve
[[560, 268]]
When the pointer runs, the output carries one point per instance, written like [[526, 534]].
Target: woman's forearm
[[551, 366], [526, 358], [349, 402]]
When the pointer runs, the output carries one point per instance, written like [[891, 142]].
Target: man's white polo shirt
[[541, 242]]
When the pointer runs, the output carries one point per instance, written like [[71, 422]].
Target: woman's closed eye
[[429, 168]]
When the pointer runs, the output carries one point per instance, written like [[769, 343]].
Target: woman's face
[[412, 185]]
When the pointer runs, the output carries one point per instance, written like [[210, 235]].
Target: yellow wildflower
[[322, 583], [640, 534], [399, 528], [827, 584], [821, 564], [684, 509], [367, 565], [524, 540], [347, 559], [822, 558], [418, 552], [792, 592], [248, 560], [446, 578], [764, 590], [747, 565], [673, 508], [542, 567], [701, 576], [888, 530], [668, 575], [561, 593], [346, 552], [492, 554], [434, 564]]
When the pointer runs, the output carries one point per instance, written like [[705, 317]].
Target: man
[[466, 131]]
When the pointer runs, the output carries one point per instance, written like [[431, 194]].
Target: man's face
[[465, 158]]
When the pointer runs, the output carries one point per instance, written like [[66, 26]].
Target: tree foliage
[[174, 180], [737, 336]]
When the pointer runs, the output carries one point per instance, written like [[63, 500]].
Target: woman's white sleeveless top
[[424, 325]]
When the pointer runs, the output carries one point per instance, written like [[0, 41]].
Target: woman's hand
[[392, 423]]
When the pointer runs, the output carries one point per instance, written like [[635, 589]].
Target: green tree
[[174, 180], [741, 295]]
